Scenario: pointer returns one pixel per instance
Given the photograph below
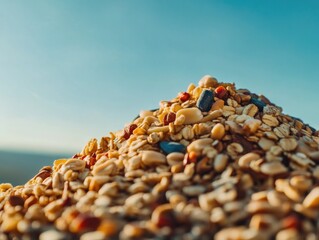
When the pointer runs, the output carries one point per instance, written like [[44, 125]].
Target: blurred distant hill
[[18, 167]]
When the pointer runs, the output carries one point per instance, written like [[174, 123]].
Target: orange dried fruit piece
[[221, 92], [58, 163], [184, 96]]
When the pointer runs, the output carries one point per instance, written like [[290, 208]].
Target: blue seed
[[169, 147], [205, 100], [258, 103]]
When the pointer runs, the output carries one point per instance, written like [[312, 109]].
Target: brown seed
[[291, 221], [221, 92], [170, 117], [247, 145], [204, 166], [84, 222], [16, 201], [109, 227], [312, 199], [129, 130], [218, 131], [244, 97], [43, 174], [163, 216], [184, 96]]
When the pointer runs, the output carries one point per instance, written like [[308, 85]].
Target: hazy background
[[73, 70]]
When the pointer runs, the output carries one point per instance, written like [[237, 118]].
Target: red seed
[[16, 201], [170, 117], [92, 161], [84, 222], [163, 216], [43, 174], [129, 130], [221, 92], [190, 157], [291, 222], [132, 128], [184, 96], [166, 220], [126, 135], [72, 214], [67, 202]]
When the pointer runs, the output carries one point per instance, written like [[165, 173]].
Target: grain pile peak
[[215, 162]]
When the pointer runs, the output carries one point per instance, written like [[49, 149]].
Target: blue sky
[[72, 70]]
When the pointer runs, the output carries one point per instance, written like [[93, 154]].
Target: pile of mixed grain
[[212, 163]]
